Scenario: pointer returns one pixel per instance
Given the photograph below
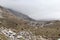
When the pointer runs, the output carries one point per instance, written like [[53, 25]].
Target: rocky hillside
[[17, 26]]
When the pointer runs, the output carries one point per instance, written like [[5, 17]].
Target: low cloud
[[36, 9]]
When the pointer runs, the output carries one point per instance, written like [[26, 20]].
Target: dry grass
[[48, 31], [3, 37]]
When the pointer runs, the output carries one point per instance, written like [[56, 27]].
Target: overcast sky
[[36, 9]]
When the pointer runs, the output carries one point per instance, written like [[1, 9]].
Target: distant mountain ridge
[[21, 15], [8, 13]]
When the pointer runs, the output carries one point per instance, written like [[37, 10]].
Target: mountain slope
[[20, 23], [21, 15]]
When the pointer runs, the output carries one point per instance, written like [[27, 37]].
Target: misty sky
[[36, 9]]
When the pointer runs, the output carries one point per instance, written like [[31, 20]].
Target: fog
[[36, 9]]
